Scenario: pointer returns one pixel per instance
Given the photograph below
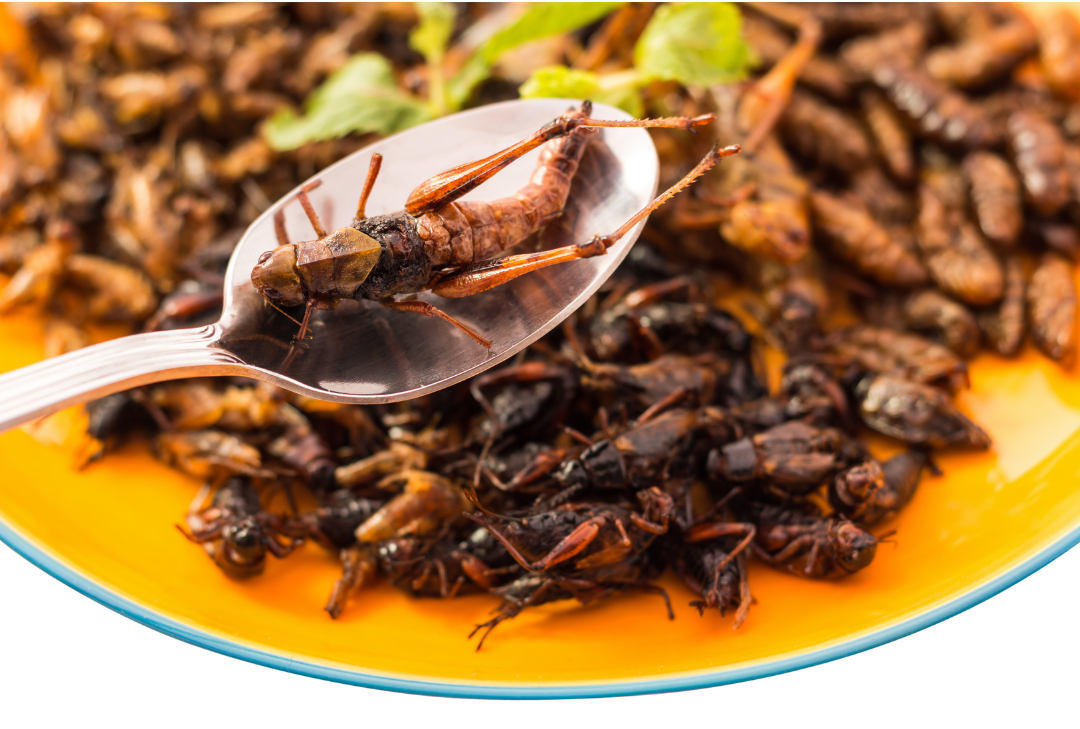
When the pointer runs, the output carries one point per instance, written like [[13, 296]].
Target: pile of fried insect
[[916, 162]]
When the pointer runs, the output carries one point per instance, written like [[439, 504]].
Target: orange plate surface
[[991, 512]]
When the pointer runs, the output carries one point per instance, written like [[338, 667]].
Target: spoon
[[362, 353]]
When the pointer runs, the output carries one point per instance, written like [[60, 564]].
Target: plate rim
[[55, 567]]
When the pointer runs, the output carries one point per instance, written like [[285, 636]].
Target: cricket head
[[276, 278]]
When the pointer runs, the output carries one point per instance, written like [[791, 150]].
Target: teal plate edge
[[176, 629]]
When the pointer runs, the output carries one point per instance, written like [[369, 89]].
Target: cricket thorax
[[403, 266], [335, 266]]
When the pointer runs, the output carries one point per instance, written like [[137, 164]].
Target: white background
[[1012, 660]]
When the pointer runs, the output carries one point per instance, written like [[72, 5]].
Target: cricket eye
[[271, 293], [265, 257]]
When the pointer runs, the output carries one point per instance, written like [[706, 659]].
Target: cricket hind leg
[[480, 277], [426, 309], [369, 182], [446, 187]]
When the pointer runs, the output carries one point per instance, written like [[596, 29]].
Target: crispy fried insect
[[985, 57], [935, 112], [703, 380], [196, 404], [891, 137], [641, 455], [810, 545], [884, 350], [443, 245], [1038, 150], [872, 492], [209, 453], [397, 456], [645, 325], [856, 491], [810, 394], [1059, 50], [38, 277], [797, 298], [995, 198], [947, 321], [956, 254], [899, 45], [592, 535], [585, 586], [915, 413], [446, 568], [822, 133], [794, 458], [534, 396], [1051, 301], [109, 421], [116, 291], [854, 236], [304, 451], [1003, 325], [708, 569], [427, 501], [237, 532]]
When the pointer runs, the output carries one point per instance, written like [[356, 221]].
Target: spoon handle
[[120, 364]]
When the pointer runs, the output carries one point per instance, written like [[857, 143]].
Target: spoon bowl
[[360, 352]]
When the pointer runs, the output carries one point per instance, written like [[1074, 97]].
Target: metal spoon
[[362, 353]]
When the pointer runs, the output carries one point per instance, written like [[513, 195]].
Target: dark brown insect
[[931, 312], [709, 570], [872, 492], [1038, 150], [810, 545], [794, 458], [447, 567], [935, 112], [642, 454], [915, 413], [446, 246], [855, 237], [591, 535], [995, 197], [1003, 325], [983, 58], [884, 350], [956, 254], [891, 137], [237, 532], [820, 132], [1051, 301]]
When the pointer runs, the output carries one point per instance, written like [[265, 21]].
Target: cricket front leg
[[445, 188], [480, 277]]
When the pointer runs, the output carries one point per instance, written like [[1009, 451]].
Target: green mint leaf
[[361, 96], [432, 35], [696, 44], [618, 89], [539, 21]]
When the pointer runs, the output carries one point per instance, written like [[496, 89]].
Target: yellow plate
[[990, 521]]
